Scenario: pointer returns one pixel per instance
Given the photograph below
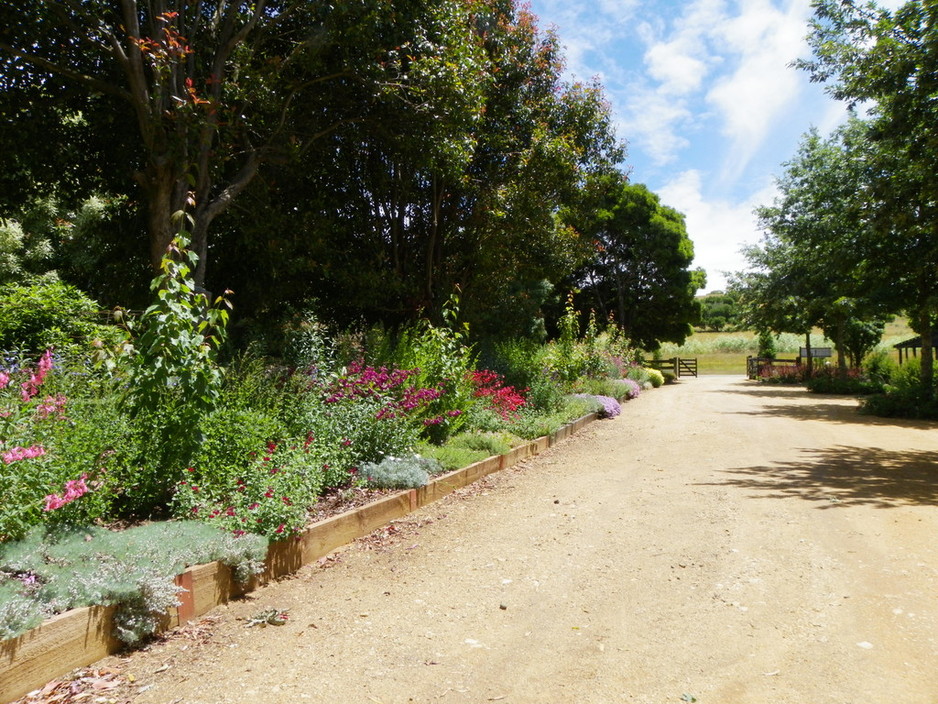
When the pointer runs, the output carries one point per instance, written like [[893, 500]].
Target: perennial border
[[83, 636]]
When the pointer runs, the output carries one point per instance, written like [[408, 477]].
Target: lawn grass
[[726, 352]]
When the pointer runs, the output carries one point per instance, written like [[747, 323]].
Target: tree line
[[364, 157], [852, 238]]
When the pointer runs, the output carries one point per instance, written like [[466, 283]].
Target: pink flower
[[74, 489], [54, 501], [4, 380], [22, 453], [51, 406], [45, 363]]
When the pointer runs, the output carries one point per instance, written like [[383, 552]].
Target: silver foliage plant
[[400, 472]]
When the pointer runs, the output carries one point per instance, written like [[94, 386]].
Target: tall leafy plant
[[175, 378]]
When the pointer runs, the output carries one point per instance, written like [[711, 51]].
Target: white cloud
[[654, 123], [675, 67], [718, 228], [762, 41]]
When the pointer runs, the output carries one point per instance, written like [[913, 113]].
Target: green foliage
[[830, 380], [452, 457], [640, 375], [269, 497], [410, 472], [307, 344], [637, 261], [442, 358], [766, 345], [491, 443], [615, 388], [718, 311], [348, 432], [655, 377], [37, 316], [64, 439], [174, 377], [180, 334], [26, 243], [49, 572], [879, 367], [861, 336], [905, 396], [525, 364], [531, 424], [592, 354]]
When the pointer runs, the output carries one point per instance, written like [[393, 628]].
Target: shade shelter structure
[[909, 348]]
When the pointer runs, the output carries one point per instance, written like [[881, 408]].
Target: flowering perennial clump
[[633, 389], [389, 388], [607, 407], [16, 416], [504, 400], [17, 454], [74, 489]]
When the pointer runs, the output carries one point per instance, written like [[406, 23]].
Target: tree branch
[[52, 67]]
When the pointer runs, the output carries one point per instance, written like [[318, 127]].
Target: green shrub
[[615, 388], [35, 317], [52, 438], [879, 367], [451, 457], [640, 375], [905, 402], [830, 380], [175, 379], [49, 572], [442, 359], [767, 347], [307, 344], [655, 377], [531, 424], [491, 443], [908, 376], [270, 497]]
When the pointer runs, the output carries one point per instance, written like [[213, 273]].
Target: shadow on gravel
[[833, 409], [751, 388], [846, 476]]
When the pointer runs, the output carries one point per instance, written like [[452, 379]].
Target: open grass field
[[726, 352]]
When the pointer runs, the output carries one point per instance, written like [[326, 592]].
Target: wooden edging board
[[81, 637]]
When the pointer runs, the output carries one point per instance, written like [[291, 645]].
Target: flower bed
[[83, 636]]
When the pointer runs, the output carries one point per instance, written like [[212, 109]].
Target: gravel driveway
[[720, 541]]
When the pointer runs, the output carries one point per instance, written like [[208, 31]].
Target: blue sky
[[702, 92]]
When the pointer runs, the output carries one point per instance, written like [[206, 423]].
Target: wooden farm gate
[[678, 365]]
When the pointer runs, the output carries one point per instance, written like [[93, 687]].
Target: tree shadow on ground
[[833, 409], [846, 476], [765, 390]]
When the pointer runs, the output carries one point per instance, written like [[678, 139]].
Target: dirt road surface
[[720, 541]]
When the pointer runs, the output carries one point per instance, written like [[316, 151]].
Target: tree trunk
[[928, 374], [809, 356], [841, 356]]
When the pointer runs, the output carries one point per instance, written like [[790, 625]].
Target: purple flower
[[611, 407], [633, 389]]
